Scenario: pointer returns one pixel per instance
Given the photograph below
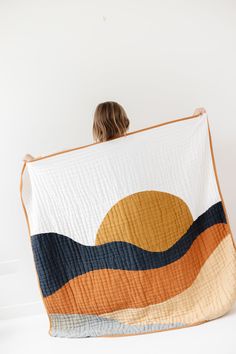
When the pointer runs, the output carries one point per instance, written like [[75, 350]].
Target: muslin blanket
[[131, 235]]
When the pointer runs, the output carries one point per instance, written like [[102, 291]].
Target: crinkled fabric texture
[[131, 235]]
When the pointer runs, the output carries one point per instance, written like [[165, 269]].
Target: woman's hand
[[200, 110], [28, 157]]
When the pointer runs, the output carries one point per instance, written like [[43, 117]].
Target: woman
[[111, 121]]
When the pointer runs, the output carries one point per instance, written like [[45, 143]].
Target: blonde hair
[[110, 121]]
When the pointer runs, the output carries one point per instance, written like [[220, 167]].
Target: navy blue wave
[[59, 259]]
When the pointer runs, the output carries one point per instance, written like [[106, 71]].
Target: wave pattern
[[59, 259], [119, 288], [105, 290], [211, 295]]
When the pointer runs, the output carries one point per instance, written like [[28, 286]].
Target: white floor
[[29, 335]]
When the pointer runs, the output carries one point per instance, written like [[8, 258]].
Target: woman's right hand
[[200, 110], [28, 157]]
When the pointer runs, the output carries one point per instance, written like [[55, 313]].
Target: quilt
[[131, 235]]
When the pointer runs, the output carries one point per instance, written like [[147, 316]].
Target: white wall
[[60, 58]]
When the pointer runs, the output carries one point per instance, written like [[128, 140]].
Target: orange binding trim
[[218, 183], [119, 137]]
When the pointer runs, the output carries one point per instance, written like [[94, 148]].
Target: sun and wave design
[[152, 267]]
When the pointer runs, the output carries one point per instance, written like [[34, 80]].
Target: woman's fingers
[[200, 110], [28, 157]]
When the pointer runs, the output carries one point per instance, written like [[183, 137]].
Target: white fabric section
[[72, 192]]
